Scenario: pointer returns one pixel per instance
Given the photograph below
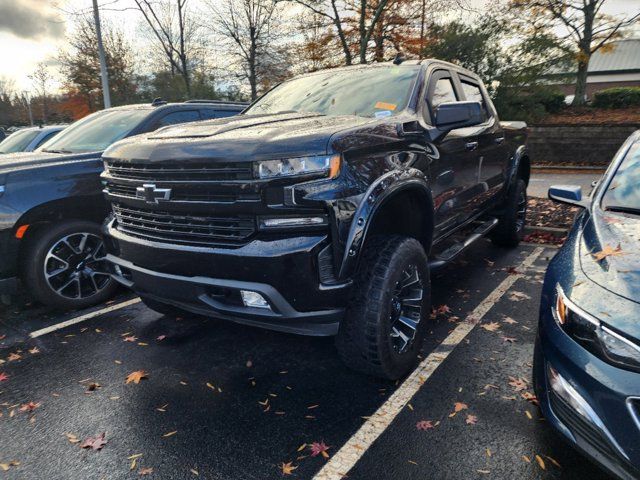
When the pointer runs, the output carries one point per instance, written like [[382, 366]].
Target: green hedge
[[620, 97]]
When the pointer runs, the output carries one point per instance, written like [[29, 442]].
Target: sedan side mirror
[[569, 194], [449, 116]]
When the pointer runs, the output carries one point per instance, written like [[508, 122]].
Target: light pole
[[103, 62], [27, 100]]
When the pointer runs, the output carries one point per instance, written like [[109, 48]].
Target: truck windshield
[[367, 92], [623, 194], [95, 132], [18, 141]]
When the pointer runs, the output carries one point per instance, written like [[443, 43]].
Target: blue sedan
[[587, 355]]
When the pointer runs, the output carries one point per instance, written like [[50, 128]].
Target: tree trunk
[[252, 65], [581, 82], [348, 60]]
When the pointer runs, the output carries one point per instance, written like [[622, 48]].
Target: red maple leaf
[[3, 377], [424, 425], [95, 443], [29, 407], [319, 448]]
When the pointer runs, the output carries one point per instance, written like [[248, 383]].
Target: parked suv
[[321, 209], [28, 139], [51, 203]]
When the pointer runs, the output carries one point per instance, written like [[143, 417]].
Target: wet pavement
[[224, 401]]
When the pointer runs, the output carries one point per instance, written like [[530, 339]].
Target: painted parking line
[[345, 458], [82, 318]]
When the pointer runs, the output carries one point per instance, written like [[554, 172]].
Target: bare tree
[[174, 29], [251, 31], [41, 79], [588, 29]]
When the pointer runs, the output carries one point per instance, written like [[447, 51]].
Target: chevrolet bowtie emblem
[[151, 194]]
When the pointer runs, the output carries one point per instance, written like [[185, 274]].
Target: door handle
[[500, 140], [471, 146]]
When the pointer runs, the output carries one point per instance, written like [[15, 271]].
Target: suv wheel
[[510, 228], [385, 323], [65, 266]]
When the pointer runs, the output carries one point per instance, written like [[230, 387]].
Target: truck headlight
[[326, 164], [595, 337]]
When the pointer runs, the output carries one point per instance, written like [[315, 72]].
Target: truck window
[[443, 93], [182, 116], [473, 93], [47, 137]]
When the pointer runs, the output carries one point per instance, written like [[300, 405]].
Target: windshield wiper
[[623, 209], [57, 151]]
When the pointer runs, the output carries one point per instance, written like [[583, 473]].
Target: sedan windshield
[[18, 141], [95, 132], [623, 194], [367, 92]]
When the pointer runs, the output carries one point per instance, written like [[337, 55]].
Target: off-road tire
[[510, 229], [37, 246], [364, 342]]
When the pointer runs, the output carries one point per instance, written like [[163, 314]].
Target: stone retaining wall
[[576, 144]]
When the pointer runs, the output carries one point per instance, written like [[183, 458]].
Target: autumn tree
[[176, 32], [251, 33], [80, 65], [41, 78], [587, 28]]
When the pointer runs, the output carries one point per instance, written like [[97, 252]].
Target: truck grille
[[177, 172], [185, 194], [184, 229]]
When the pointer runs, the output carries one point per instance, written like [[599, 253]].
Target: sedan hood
[[25, 160], [243, 137], [619, 235]]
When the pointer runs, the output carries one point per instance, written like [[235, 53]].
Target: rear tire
[[63, 265], [386, 320], [510, 229]]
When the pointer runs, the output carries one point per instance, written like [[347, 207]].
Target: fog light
[[280, 222], [254, 299]]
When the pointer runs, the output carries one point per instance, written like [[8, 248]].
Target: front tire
[[510, 229], [385, 323], [64, 265]]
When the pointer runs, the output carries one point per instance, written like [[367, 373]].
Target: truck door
[[491, 151], [454, 168]]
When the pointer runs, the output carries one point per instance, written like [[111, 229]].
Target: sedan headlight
[[328, 165], [597, 338]]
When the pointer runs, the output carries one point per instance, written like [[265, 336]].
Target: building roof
[[625, 56]]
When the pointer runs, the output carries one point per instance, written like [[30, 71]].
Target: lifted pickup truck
[[321, 209]]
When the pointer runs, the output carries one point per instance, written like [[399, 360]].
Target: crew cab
[[51, 203], [321, 209]]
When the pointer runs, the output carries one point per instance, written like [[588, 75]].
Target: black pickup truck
[[321, 209], [52, 206]]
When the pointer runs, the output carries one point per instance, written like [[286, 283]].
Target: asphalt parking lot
[[224, 401]]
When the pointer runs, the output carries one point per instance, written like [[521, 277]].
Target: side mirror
[[569, 194], [459, 115]]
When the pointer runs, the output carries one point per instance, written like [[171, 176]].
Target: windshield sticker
[[385, 106], [383, 114]]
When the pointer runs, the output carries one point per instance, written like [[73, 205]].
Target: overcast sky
[[32, 31]]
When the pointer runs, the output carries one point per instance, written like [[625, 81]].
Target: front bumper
[[209, 280], [609, 433]]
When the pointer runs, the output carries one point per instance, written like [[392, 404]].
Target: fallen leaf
[[518, 384], [94, 443], [72, 438], [92, 387], [424, 425], [471, 419], [526, 459], [319, 448], [509, 320], [518, 296], [169, 434], [34, 350], [541, 462], [552, 460], [509, 339], [3, 377], [8, 465], [136, 376], [194, 471], [29, 407], [491, 326], [145, 471], [302, 447], [459, 406], [161, 337], [130, 339], [287, 468], [608, 251], [13, 357]]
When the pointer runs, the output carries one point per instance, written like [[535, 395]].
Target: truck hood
[[21, 161], [243, 137], [618, 273]]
